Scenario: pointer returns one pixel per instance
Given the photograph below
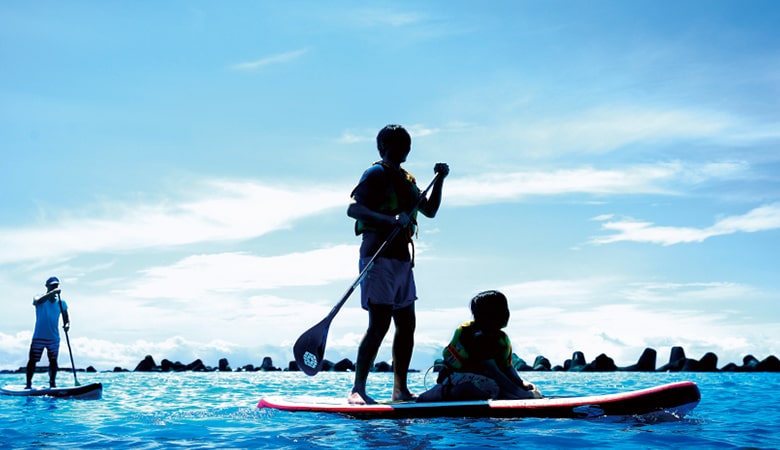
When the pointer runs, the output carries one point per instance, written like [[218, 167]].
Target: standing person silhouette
[[383, 200], [46, 335]]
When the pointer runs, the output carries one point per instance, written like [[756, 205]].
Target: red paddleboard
[[672, 400]]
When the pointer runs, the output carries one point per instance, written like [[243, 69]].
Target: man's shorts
[[388, 282], [36, 349]]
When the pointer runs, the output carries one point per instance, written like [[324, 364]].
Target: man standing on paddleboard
[[386, 198], [46, 335]]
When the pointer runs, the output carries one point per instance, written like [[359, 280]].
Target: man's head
[[490, 310], [52, 283], [393, 143]]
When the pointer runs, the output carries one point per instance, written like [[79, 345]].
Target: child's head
[[490, 310], [394, 142]]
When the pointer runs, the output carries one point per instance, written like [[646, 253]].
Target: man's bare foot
[[403, 396], [356, 398]]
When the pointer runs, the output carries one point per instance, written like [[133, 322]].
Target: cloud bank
[[763, 218]]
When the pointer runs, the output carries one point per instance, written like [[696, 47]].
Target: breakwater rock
[[148, 365], [678, 362]]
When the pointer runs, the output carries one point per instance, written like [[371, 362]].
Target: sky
[[184, 167]]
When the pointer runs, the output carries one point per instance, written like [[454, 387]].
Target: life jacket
[[402, 198], [456, 357]]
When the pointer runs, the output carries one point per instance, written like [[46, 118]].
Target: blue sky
[[185, 168]]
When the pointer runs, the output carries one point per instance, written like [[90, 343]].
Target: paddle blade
[[309, 349]]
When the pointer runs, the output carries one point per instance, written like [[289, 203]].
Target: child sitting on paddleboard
[[478, 360]]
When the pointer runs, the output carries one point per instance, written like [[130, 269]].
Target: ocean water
[[219, 410]]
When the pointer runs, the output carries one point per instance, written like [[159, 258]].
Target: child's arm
[[512, 373], [512, 386]]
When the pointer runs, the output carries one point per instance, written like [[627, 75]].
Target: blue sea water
[[219, 410]]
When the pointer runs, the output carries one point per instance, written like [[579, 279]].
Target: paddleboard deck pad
[[672, 400], [92, 391]]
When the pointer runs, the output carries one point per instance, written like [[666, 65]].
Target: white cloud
[[720, 170], [621, 317], [225, 210], [350, 137], [356, 137], [662, 178], [513, 186], [763, 218], [366, 17], [552, 317], [610, 128], [105, 354], [235, 210], [198, 276], [676, 293], [531, 294], [417, 131], [607, 129], [280, 58]]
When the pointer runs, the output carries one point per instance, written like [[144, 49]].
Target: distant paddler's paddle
[[67, 339], [309, 349]]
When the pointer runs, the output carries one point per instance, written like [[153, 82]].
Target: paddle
[[309, 349], [67, 339]]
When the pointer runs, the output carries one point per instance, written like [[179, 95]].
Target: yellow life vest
[[403, 197], [456, 356]]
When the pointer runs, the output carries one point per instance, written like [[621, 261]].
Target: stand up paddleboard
[[92, 391], [673, 400]]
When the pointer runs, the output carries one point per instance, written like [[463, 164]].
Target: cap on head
[[393, 136], [52, 282], [490, 310]]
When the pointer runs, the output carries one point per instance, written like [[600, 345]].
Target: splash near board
[[669, 400], [92, 391]]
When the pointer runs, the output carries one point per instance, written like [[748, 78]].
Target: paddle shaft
[[317, 335], [67, 340]]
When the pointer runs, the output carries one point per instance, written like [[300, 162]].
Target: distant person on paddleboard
[[478, 360], [46, 335], [385, 199]]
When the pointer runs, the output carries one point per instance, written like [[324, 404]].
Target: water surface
[[218, 410]]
